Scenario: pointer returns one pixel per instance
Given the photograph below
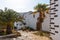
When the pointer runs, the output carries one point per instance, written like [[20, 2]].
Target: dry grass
[[42, 33], [17, 33]]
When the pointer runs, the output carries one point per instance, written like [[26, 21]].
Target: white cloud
[[18, 5]]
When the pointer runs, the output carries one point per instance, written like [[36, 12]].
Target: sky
[[21, 5]]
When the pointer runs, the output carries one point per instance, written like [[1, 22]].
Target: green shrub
[[2, 33]]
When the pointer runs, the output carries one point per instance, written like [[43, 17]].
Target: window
[[55, 10], [56, 31], [52, 13], [52, 3], [53, 33], [56, 25], [34, 16], [52, 8], [24, 23], [17, 24], [56, 5], [51, 22], [55, 0], [55, 15], [52, 28], [52, 18]]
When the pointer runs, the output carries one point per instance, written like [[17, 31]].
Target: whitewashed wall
[[18, 25], [46, 23], [55, 28], [30, 20]]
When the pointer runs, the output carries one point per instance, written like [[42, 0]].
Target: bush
[[2, 32]]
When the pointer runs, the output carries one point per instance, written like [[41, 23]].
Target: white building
[[31, 18], [19, 25], [46, 23], [55, 19]]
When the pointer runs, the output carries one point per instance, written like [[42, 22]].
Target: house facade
[[18, 25], [55, 19], [31, 19], [46, 23]]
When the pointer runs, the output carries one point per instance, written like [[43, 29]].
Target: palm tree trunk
[[9, 29], [39, 26], [40, 21]]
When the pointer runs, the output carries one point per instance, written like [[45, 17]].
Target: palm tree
[[42, 9], [7, 19]]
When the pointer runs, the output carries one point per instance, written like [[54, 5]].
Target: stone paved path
[[28, 36]]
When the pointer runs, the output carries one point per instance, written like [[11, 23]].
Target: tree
[[7, 19], [42, 9]]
